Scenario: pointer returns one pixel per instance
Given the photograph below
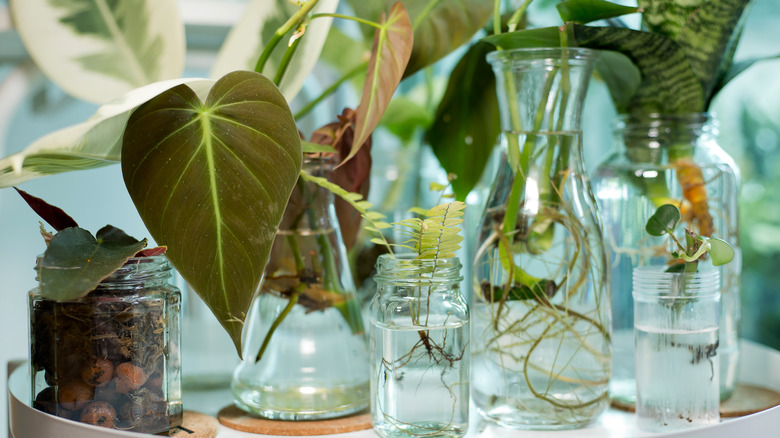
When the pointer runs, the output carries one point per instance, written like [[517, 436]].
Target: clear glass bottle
[[677, 352], [420, 352], [111, 358], [666, 158], [305, 354], [540, 299]]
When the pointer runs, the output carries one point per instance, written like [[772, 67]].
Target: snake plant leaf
[[211, 181], [98, 50], [620, 75], [709, 38], [390, 54], [75, 261], [93, 143], [668, 17], [585, 11], [466, 124], [665, 218], [736, 69], [248, 37]]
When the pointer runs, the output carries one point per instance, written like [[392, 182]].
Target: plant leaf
[[99, 50], [389, 56], [93, 143], [211, 181], [667, 17], [585, 11], [736, 69], [75, 262], [620, 75], [467, 124], [54, 216], [720, 251], [248, 37], [404, 117], [665, 219], [708, 39]]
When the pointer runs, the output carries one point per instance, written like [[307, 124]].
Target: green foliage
[[436, 236], [664, 220], [467, 122], [75, 262], [211, 181], [585, 11]]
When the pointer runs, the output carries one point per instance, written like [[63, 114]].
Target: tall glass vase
[[540, 304], [659, 159], [305, 354]]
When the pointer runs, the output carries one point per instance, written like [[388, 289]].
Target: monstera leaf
[[93, 143], [211, 181], [98, 50], [262, 18]]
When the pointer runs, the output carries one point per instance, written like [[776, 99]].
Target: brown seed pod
[[98, 372], [74, 395], [99, 414], [155, 383], [129, 377]]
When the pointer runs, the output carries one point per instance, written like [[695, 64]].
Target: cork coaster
[[237, 419], [748, 399], [196, 425]]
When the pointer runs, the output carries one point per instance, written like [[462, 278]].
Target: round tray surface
[[237, 419], [746, 400], [196, 425]]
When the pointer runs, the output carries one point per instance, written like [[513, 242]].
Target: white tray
[[760, 366]]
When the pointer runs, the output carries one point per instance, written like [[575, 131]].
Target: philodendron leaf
[[665, 218], [75, 261], [585, 11], [93, 143], [467, 122], [720, 251], [54, 216], [259, 22], [98, 50], [211, 181], [392, 47], [440, 26]]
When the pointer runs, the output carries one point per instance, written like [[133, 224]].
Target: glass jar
[[111, 358], [677, 352], [420, 352], [663, 159], [305, 355], [540, 302]]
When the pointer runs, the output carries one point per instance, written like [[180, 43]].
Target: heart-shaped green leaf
[[585, 11], [99, 50], [392, 47], [467, 122], [664, 220], [720, 251], [211, 182], [75, 261], [93, 143]]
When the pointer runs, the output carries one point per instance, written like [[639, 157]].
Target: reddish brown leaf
[[391, 51], [151, 252], [54, 216]]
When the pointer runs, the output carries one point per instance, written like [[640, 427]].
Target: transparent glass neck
[[310, 206], [654, 138]]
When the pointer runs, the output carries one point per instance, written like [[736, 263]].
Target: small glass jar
[[111, 358], [420, 352], [677, 357]]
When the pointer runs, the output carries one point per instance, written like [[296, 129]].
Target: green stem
[[288, 54], [517, 16], [328, 91], [347, 17], [290, 24], [497, 17], [279, 319]]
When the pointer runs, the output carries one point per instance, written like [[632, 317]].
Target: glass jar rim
[[407, 267], [655, 282], [659, 119], [549, 55]]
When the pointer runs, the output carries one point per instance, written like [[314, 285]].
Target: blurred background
[[30, 106]]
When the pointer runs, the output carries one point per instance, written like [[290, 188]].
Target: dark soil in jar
[[103, 359]]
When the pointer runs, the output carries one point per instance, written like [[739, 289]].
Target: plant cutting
[[676, 330], [104, 330], [420, 334]]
